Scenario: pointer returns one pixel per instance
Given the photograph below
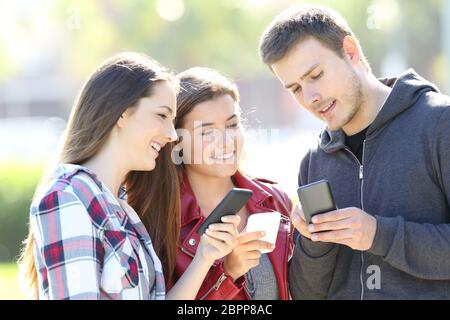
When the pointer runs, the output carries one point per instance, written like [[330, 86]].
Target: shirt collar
[[68, 170]]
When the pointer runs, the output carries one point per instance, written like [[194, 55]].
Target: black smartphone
[[231, 204], [316, 198]]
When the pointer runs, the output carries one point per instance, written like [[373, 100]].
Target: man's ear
[[351, 49]]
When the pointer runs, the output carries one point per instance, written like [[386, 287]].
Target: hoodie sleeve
[[396, 238], [313, 263]]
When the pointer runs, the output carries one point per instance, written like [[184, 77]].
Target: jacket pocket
[[120, 265]]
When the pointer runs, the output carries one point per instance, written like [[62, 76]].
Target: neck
[[375, 94], [108, 169], [208, 190]]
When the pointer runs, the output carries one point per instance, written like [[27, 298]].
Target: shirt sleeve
[[421, 249], [68, 247], [313, 263]]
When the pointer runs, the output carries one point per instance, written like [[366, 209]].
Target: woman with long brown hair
[[86, 240], [211, 134]]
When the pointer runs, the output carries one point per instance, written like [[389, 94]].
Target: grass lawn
[[9, 288]]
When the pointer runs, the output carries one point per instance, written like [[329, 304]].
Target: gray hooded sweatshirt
[[404, 182]]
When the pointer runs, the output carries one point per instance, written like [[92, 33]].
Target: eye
[[163, 116], [296, 90], [206, 132], [317, 76], [233, 125]]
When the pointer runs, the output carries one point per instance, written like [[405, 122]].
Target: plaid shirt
[[89, 245]]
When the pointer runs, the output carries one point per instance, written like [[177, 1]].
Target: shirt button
[[192, 242]]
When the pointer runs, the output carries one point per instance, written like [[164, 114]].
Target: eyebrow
[[207, 124], [288, 86]]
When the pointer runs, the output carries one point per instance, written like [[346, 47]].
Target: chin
[[149, 166], [228, 170], [336, 125], [223, 171], [333, 128]]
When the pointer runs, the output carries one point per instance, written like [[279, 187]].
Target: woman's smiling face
[[146, 128], [215, 140]]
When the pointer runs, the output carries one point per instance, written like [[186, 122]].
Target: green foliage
[[17, 185], [222, 34], [9, 287]]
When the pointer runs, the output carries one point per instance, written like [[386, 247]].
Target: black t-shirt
[[355, 143]]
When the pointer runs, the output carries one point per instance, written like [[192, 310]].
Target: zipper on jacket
[[249, 296], [186, 251], [287, 255], [215, 286], [362, 208], [361, 179]]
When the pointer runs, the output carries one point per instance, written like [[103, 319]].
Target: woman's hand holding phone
[[246, 254], [219, 239]]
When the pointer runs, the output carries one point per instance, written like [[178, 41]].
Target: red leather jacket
[[217, 284]]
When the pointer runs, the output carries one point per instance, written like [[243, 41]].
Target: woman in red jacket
[[211, 139]]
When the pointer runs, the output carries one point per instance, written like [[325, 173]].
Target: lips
[[156, 146], [325, 110], [224, 156]]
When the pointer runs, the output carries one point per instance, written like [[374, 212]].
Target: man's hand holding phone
[[349, 226]]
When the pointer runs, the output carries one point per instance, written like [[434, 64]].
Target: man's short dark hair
[[298, 23]]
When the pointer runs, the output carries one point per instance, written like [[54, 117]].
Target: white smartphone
[[265, 221]]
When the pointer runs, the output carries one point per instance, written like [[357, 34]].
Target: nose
[[171, 133], [310, 96], [223, 139], [228, 139]]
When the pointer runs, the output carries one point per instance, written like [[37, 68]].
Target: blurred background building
[[49, 47]]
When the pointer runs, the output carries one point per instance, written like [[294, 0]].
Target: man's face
[[322, 82]]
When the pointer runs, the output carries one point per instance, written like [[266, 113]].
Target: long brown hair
[[115, 86]]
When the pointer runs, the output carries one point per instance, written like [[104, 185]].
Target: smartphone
[[316, 198], [231, 204], [265, 221]]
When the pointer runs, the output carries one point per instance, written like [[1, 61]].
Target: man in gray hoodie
[[385, 152]]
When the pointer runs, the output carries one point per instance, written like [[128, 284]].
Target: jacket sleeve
[[421, 249], [313, 263], [67, 243], [218, 285]]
